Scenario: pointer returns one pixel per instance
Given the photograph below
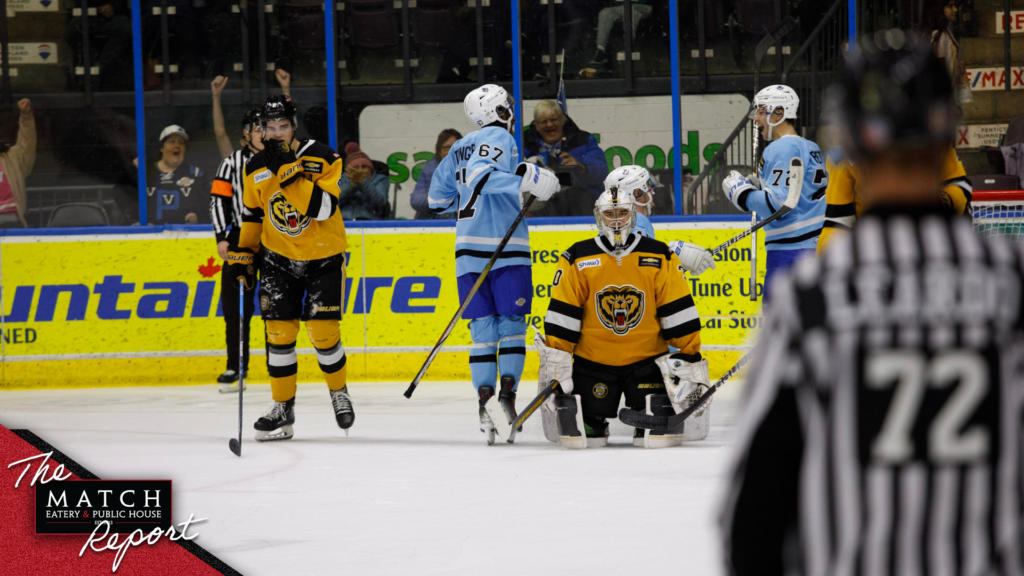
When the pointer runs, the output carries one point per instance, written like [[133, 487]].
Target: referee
[[883, 431], [226, 211]]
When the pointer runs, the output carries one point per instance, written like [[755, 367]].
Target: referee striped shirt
[[883, 429], [226, 194]]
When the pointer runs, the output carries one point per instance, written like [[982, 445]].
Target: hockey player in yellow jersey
[[844, 205], [291, 225], [618, 301]]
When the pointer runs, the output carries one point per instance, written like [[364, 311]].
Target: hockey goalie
[[618, 301]]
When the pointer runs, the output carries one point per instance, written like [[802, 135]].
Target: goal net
[[999, 213]]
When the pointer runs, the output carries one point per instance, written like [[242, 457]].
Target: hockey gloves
[[538, 181], [695, 259], [734, 187], [683, 374], [281, 160], [241, 267], [555, 364]]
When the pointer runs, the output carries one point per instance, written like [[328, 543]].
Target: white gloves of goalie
[[538, 181], [555, 364], [734, 186], [695, 259], [682, 379]]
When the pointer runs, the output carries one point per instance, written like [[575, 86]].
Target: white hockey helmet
[[778, 96], [633, 179], [615, 213], [485, 105]]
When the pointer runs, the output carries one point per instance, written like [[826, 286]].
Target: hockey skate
[[343, 411], [228, 382], [507, 398], [486, 425], [276, 424]]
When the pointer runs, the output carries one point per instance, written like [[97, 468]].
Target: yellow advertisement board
[[141, 309]]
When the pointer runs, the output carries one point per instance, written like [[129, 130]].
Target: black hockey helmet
[[893, 90], [278, 108], [252, 117]]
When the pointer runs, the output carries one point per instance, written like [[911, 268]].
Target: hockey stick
[[773, 37], [507, 430], [642, 420], [236, 445], [476, 286], [796, 184]]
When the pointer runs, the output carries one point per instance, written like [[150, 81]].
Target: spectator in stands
[[176, 190], [445, 140], [939, 19], [607, 18], [15, 165], [110, 42], [364, 192], [553, 140]]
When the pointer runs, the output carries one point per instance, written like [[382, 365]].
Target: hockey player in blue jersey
[[637, 180], [795, 234], [478, 181]]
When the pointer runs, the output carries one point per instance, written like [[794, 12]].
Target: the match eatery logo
[[78, 506]]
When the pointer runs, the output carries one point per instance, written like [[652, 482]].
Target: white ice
[[413, 491]]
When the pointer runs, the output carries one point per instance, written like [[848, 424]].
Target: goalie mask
[[487, 104], [615, 213], [633, 179]]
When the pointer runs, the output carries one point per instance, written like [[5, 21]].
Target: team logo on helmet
[[285, 217], [620, 308]]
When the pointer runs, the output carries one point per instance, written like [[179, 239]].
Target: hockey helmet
[[486, 104], [278, 108], [252, 117], [893, 92], [615, 213], [632, 179], [778, 96]]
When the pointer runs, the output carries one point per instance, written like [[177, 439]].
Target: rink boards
[[144, 308]]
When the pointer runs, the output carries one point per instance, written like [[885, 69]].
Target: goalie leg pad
[[570, 422], [699, 423], [659, 405]]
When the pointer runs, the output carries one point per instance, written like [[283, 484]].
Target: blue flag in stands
[[561, 96]]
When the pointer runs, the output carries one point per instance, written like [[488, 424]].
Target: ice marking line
[[300, 351]]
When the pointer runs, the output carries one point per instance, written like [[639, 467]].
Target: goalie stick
[[642, 420], [507, 430], [236, 445], [796, 184], [562, 177]]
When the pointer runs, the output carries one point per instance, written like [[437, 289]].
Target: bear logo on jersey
[[620, 308], [285, 217]]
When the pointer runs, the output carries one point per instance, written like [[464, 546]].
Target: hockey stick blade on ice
[[233, 444], [563, 178], [796, 184], [507, 430], [642, 420]]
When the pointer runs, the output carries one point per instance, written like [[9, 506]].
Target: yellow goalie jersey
[[617, 311], [844, 206], [300, 221]]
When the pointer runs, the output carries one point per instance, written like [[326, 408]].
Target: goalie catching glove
[[684, 374], [240, 266], [734, 186], [695, 259], [538, 181]]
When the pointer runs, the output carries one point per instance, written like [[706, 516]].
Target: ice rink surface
[[414, 490]]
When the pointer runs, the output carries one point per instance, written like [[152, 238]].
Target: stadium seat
[[435, 20], [373, 23], [77, 214], [994, 182]]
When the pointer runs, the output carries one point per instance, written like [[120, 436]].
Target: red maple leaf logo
[[209, 269]]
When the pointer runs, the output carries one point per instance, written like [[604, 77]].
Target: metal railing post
[[677, 134], [140, 108], [331, 55]]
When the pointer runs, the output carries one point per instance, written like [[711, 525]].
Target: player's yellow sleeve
[[564, 319], [677, 313], [311, 185], [956, 188], [841, 199], [252, 215]]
